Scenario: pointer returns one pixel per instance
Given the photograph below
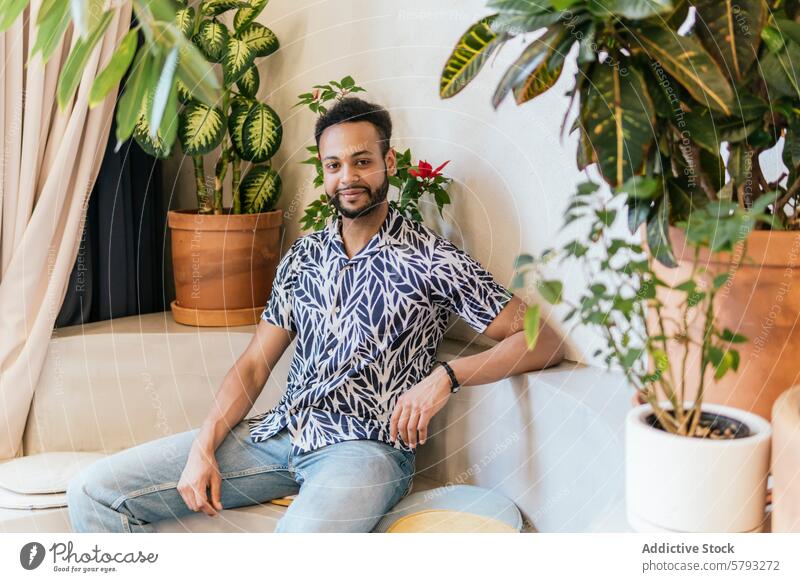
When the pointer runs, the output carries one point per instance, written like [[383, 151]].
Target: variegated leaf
[[245, 16], [248, 82], [215, 7], [260, 39], [238, 56], [469, 55], [239, 109], [212, 39], [184, 18], [541, 80], [261, 133], [260, 189], [618, 117], [731, 32], [201, 128]]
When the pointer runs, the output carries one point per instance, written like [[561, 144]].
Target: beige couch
[[551, 441]]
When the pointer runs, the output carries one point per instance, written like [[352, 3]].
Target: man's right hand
[[201, 473]]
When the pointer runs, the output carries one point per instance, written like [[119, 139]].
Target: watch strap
[[454, 384]]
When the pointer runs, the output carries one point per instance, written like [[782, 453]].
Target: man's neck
[[356, 232]]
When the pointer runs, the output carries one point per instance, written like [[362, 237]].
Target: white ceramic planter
[[683, 484]]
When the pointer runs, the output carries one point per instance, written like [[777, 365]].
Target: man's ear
[[391, 162]]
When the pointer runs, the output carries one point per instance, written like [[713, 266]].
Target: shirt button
[[338, 309], [330, 352]]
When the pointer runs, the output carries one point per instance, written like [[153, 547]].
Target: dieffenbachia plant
[[688, 94], [172, 90], [245, 128]]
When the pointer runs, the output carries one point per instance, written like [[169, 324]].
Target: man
[[368, 299]]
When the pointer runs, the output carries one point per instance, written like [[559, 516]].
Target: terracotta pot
[[760, 301], [224, 265]]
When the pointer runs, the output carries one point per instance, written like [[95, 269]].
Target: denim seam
[[173, 484]]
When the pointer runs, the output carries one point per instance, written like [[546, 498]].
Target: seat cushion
[[461, 507], [446, 521], [44, 473]]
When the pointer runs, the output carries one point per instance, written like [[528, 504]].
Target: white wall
[[513, 175]]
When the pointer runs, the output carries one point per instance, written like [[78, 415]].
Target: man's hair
[[352, 109]]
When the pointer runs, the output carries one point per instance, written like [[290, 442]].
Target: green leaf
[[531, 325], [201, 128], [618, 116], [730, 30], [163, 91], [720, 280], [212, 39], [261, 40], [520, 16], [261, 133], [197, 75], [260, 189], [54, 17], [539, 81], [534, 55], [238, 56], [130, 103], [112, 74], [80, 17], [642, 187], [550, 290], [734, 338], [245, 16], [11, 9], [658, 235], [633, 9], [239, 111], [184, 19], [216, 7], [689, 63], [473, 49], [248, 83], [76, 61]]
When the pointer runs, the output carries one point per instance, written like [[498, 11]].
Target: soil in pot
[[712, 426]]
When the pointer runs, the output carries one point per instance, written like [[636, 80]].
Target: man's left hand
[[415, 408]]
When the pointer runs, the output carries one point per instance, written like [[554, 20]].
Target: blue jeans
[[343, 487]]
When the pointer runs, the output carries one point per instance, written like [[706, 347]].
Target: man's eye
[[332, 166], [363, 162]]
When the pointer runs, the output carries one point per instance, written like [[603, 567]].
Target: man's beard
[[376, 197]]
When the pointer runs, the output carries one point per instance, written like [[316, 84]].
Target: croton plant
[[688, 94]]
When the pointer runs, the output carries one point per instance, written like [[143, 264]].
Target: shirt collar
[[389, 233]]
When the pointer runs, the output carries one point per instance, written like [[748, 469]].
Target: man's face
[[356, 174]]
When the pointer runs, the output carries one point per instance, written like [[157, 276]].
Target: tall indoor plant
[[224, 259], [689, 94], [690, 466]]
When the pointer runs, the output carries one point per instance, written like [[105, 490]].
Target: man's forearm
[[508, 358], [233, 401]]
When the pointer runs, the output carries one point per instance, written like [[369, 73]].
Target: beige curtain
[[49, 160]]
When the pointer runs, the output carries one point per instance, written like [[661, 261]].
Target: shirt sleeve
[[279, 309], [460, 284]]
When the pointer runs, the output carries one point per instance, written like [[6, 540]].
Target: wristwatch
[[454, 385]]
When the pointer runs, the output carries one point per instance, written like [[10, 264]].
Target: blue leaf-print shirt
[[367, 327]]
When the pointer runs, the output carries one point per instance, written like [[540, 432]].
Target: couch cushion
[[467, 499], [44, 472], [447, 521]]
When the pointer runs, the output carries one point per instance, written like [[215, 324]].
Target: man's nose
[[349, 174]]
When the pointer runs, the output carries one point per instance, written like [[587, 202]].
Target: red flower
[[426, 171]]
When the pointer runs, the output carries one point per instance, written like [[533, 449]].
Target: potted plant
[[224, 259], [690, 466], [690, 94], [412, 181]]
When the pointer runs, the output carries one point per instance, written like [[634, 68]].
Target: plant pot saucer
[[215, 317]]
